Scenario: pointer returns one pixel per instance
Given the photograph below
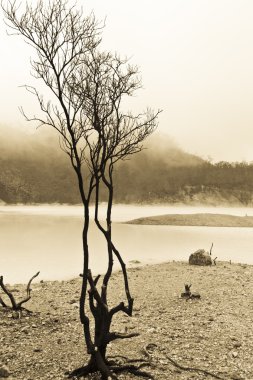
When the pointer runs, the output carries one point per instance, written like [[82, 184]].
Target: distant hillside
[[35, 170]]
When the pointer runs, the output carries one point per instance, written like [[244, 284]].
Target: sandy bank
[[208, 220], [214, 333]]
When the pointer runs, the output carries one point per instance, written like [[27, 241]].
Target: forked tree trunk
[[98, 301]]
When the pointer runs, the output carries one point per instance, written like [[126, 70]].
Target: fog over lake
[[48, 238]]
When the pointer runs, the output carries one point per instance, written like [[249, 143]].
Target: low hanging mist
[[35, 170]]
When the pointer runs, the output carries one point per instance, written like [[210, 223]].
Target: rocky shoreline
[[213, 333]]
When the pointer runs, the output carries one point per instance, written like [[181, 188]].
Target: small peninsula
[[205, 220]]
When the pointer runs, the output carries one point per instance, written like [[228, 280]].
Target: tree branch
[[28, 291], [113, 336], [8, 293], [2, 302]]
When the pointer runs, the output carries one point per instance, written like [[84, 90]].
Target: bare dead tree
[[87, 87], [107, 79], [61, 37], [16, 305]]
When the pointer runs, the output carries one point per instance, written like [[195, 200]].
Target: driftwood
[[16, 306], [192, 369], [187, 294], [154, 347], [214, 260]]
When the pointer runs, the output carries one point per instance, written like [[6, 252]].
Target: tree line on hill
[[34, 171]]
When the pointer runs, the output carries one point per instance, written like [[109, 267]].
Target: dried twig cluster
[[16, 305]]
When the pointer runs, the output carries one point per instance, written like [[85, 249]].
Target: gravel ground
[[213, 333]]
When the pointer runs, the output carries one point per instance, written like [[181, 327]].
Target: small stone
[[25, 330], [37, 350], [15, 290], [237, 344], [15, 315], [34, 326], [236, 376], [4, 371], [234, 354]]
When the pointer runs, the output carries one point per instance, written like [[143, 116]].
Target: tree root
[[114, 368], [135, 370], [192, 369], [152, 347], [16, 314], [81, 372], [112, 362]]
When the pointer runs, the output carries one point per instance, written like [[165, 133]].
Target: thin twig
[[28, 291], [191, 369]]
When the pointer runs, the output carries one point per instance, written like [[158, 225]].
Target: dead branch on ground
[[153, 347], [16, 306]]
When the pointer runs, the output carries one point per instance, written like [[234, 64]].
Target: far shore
[[205, 220]]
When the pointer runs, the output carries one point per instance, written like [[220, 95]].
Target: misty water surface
[[48, 238]]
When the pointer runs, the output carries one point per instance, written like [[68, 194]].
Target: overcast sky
[[196, 60]]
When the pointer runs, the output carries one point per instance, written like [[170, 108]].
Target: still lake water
[[48, 238]]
